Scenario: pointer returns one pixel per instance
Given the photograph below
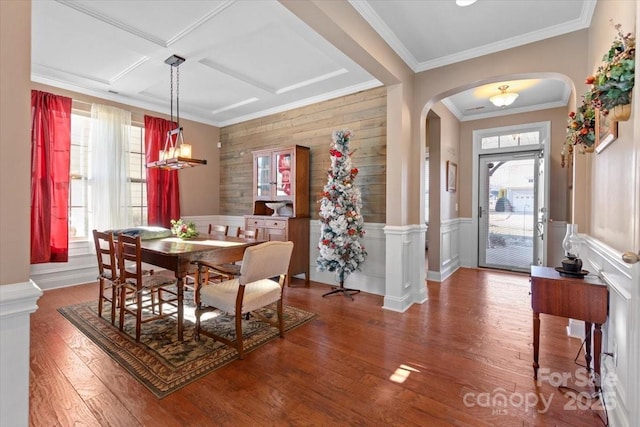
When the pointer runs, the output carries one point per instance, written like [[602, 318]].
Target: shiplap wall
[[364, 113]]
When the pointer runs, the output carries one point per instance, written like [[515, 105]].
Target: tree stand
[[347, 292]]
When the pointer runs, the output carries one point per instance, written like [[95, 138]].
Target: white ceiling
[[250, 58]]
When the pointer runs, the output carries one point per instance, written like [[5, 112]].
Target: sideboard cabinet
[[282, 175]]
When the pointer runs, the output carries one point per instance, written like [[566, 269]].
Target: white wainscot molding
[[81, 268], [620, 371], [449, 250], [404, 266], [371, 277], [468, 244], [17, 302], [202, 222]]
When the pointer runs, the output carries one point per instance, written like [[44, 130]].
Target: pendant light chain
[[171, 92], [178, 95]]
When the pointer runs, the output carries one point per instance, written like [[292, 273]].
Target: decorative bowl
[[275, 206]]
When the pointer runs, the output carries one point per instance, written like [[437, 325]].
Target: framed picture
[[452, 176], [606, 131]]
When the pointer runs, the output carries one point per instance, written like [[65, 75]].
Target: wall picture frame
[[452, 176], [606, 131]]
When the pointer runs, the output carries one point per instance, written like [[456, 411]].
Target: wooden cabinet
[[282, 175], [295, 230]]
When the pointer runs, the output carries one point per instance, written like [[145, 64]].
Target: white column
[[404, 269], [17, 302]]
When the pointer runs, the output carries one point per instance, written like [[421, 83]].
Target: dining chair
[[231, 270], [253, 289], [218, 229], [135, 283], [191, 279], [107, 272]]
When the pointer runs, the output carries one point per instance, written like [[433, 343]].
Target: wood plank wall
[[364, 113]]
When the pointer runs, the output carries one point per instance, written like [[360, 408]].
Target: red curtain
[[163, 194], [50, 159]]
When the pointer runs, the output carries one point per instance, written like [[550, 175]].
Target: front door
[[509, 203]]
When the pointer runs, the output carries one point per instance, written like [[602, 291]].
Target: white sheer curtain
[[109, 142]]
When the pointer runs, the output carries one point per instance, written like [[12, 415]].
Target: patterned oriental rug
[[159, 361]]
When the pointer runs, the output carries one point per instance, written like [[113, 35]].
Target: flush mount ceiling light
[[463, 3], [175, 154], [504, 98]]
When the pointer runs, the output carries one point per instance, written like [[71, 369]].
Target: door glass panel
[[263, 174], [283, 175], [507, 211]]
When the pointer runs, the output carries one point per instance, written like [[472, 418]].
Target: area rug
[[162, 363]]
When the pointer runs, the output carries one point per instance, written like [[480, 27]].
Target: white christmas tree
[[341, 225]]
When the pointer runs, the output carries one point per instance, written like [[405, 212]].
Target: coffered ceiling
[[250, 58]]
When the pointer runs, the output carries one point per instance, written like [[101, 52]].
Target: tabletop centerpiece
[[183, 230]]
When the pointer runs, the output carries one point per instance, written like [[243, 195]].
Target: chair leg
[[138, 315], [114, 302], [123, 306], [196, 332], [100, 296], [280, 318], [239, 344], [153, 301]]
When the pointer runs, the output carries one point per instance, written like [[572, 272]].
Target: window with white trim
[[80, 209]]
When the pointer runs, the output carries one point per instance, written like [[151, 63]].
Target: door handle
[[631, 257]]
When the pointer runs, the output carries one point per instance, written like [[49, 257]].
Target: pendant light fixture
[[175, 153], [504, 98]]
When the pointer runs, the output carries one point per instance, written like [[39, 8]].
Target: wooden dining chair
[[253, 289], [107, 272], [231, 270], [191, 279], [248, 234], [218, 229], [135, 284]]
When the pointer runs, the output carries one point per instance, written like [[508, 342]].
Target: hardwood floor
[[448, 361]]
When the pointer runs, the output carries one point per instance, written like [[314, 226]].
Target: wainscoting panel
[[618, 332], [468, 243], [404, 267], [449, 250], [81, 268], [372, 277]]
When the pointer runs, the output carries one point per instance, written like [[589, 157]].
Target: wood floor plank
[[54, 397], [356, 364]]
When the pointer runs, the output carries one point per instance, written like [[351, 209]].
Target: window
[[510, 140], [80, 209]]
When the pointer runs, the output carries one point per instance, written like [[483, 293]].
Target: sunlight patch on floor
[[402, 373]]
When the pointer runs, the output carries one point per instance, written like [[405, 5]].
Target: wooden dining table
[[177, 255]]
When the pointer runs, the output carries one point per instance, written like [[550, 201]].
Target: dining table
[[178, 255]]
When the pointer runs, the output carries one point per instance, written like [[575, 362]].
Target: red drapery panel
[[50, 159], [163, 193]]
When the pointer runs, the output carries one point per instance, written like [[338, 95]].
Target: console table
[[584, 299]]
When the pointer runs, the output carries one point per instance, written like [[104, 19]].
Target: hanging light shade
[[175, 153], [504, 98]]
